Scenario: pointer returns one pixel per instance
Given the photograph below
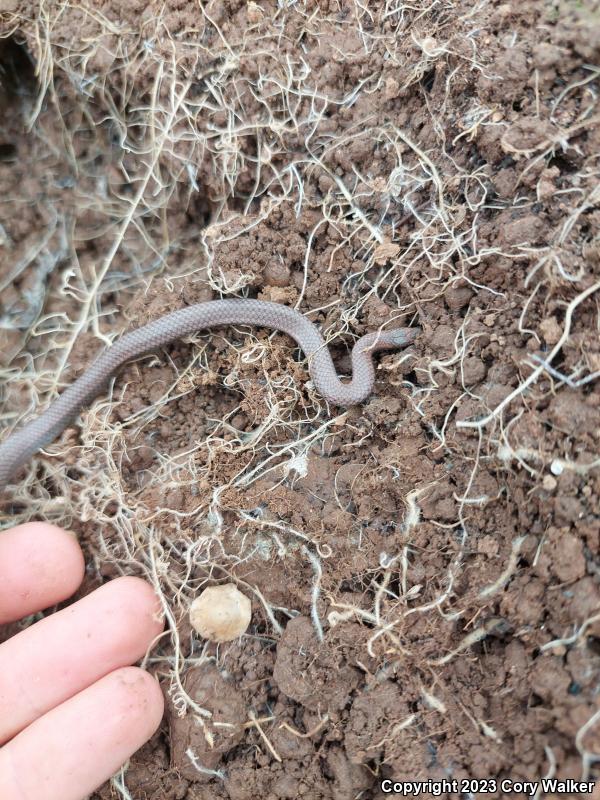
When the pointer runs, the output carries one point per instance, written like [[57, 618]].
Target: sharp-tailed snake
[[22, 444]]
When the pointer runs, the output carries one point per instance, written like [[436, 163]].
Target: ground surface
[[424, 569]]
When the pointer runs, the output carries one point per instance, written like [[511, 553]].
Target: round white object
[[221, 613], [556, 467]]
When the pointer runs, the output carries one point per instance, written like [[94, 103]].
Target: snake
[[21, 445]]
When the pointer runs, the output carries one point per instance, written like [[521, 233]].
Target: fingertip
[[41, 565], [139, 603], [141, 700], [76, 746], [64, 543], [108, 629]]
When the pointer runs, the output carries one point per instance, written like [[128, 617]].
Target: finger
[[66, 652], [40, 565], [74, 748]]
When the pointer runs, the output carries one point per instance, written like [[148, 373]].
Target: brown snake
[[22, 444]]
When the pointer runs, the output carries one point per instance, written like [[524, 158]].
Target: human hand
[[72, 710]]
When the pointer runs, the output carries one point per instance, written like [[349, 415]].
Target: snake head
[[403, 336]]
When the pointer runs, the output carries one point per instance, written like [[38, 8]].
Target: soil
[[424, 569]]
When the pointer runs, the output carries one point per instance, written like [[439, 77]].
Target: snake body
[[22, 444]]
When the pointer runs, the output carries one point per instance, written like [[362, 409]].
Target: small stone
[[429, 46], [221, 613]]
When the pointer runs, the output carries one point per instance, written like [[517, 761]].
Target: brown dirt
[[424, 569]]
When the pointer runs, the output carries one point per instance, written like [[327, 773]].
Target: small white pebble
[[429, 46], [221, 613], [556, 468]]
